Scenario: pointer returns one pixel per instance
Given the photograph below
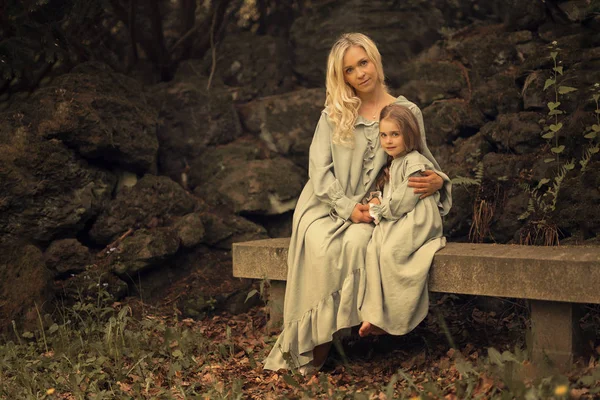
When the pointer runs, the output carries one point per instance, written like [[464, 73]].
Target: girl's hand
[[427, 184], [361, 214]]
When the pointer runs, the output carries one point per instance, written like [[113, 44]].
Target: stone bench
[[554, 279]]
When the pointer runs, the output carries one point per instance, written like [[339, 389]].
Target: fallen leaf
[[577, 393]]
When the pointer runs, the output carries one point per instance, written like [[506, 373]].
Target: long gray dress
[[326, 258], [399, 255]]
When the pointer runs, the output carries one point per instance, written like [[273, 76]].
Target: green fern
[[466, 181], [543, 203], [530, 210], [558, 179], [592, 132], [587, 156]]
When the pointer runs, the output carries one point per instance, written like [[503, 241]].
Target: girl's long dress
[[401, 250], [326, 258]]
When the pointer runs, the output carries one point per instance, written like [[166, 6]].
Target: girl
[[407, 235], [330, 228]]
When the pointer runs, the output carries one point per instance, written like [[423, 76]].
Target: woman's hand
[[426, 185], [361, 214]]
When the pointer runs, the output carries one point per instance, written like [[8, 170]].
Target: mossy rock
[[190, 229], [151, 202], [47, 190], [264, 186], [67, 256], [447, 120], [233, 177], [192, 118], [217, 161], [224, 229], [498, 95], [196, 306], [102, 115], [315, 31], [25, 284], [519, 133], [487, 51], [252, 65], [285, 123], [425, 82], [146, 248]]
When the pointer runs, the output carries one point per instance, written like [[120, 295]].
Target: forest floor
[[458, 352], [468, 347]]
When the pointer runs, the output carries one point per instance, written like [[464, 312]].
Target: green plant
[[262, 292], [460, 180], [99, 350], [540, 227], [552, 131], [541, 204], [483, 209], [591, 133]]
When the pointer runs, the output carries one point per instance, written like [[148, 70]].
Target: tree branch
[[188, 16], [216, 18], [162, 55], [132, 35]]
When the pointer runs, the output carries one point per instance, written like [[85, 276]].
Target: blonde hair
[[342, 103]]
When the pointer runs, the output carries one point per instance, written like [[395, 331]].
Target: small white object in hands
[[372, 214]]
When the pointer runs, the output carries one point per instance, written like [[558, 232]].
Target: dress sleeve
[[321, 172], [403, 199], [446, 190]]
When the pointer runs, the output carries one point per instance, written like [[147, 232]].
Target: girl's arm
[[402, 201], [320, 170]]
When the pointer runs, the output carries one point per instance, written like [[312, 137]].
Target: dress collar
[[360, 120]]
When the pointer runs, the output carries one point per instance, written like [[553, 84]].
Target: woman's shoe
[[309, 369]]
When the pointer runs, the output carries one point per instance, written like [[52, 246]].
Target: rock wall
[[101, 175]]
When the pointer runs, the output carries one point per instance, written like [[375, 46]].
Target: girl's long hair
[[409, 129], [342, 103]]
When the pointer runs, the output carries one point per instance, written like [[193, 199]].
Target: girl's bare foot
[[365, 329], [368, 328]]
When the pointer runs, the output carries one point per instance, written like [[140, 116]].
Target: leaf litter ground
[[466, 348], [443, 357]]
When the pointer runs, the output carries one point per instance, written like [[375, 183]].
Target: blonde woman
[[331, 228]]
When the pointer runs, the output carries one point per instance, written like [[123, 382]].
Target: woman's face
[[359, 71], [391, 138]]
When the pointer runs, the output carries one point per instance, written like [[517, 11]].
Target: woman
[[331, 229]]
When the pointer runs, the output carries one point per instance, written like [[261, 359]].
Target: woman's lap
[[330, 256], [337, 247]]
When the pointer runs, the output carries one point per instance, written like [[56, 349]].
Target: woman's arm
[[326, 187], [427, 183]]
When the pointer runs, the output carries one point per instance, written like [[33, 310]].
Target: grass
[[98, 349]]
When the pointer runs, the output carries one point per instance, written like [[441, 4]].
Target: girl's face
[[359, 71], [391, 138]]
